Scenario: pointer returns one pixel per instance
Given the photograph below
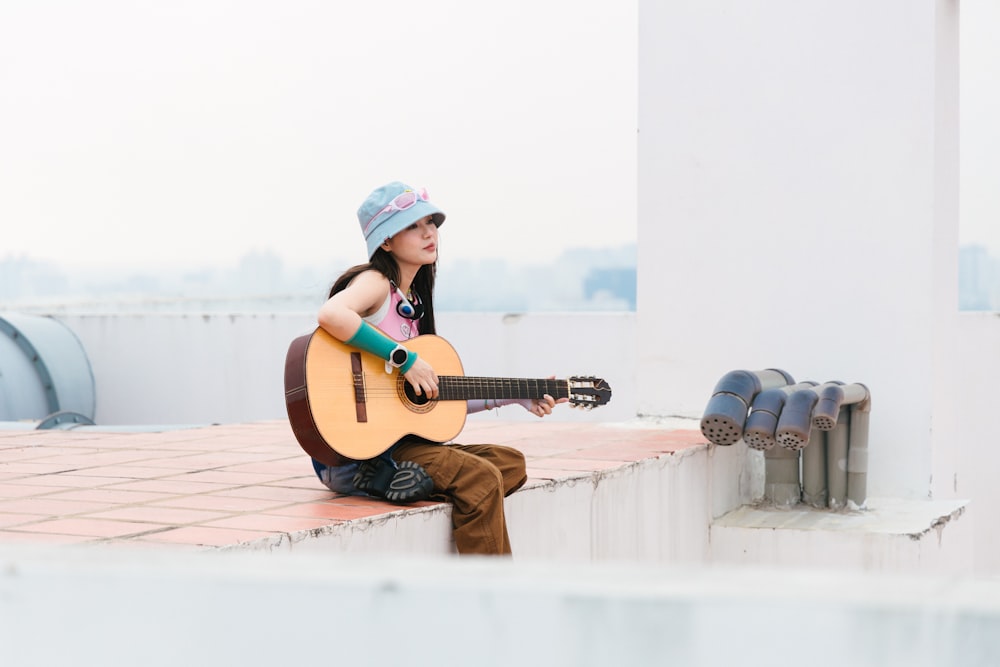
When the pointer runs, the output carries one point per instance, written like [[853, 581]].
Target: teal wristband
[[370, 339], [408, 364]]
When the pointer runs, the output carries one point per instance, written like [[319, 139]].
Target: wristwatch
[[399, 356]]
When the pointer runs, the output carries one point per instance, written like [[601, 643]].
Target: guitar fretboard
[[464, 387]]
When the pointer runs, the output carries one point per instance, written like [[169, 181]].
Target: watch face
[[399, 357]]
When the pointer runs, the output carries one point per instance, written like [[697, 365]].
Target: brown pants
[[475, 479]]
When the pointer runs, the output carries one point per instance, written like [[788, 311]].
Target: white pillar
[[798, 208]]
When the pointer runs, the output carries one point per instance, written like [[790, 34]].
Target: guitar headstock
[[588, 392]]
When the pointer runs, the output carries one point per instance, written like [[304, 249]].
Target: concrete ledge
[[891, 535], [657, 509]]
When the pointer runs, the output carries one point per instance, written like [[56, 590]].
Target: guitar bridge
[[358, 377]]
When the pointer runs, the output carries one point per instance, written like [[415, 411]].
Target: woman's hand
[[543, 406], [423, 378]]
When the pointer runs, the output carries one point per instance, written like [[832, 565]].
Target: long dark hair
[[383, 262]]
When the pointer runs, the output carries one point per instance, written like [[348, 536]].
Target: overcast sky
[[200, 129], [193, 131]]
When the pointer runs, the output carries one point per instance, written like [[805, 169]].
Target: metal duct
[[44, 370]]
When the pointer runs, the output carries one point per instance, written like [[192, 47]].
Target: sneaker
[[410, 484], [373, 476]]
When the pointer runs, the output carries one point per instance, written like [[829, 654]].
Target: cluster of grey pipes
[[814, 435]]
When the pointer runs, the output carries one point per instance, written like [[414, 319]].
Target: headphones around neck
[[410, 310]]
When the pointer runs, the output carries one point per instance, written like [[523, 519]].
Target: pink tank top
[[390, 322]]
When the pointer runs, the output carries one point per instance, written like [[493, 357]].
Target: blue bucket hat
[[392, 208]]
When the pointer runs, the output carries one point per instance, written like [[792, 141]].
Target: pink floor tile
[[48, 506], [173, 486], [287, 467], [119, 472], [90, 527], [209, 537], [265, 522], [66, 480], [214, 460], [17, 537], [219, 503], [20, 489], [358, 501], [328, 512], [92, 459], [159, 514], [304, 482], [23, 468], [270, 492], [8, 520], [35, 453], [108, 496], [224, 477]]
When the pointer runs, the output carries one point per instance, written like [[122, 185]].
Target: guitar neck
[[463, 387]]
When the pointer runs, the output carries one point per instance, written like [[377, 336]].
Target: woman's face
[[417, 244]]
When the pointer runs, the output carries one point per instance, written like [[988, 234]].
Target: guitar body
[[343, 406]]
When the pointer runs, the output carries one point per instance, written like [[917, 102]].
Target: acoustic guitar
[[343, 405]]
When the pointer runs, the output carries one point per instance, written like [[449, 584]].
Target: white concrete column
[[798, 208]]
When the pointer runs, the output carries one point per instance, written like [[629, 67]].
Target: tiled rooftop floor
[[219, 486]]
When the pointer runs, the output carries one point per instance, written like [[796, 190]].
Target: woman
[[377, 307]]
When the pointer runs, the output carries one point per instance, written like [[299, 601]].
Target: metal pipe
[[836, 461], [726, 413], [814, 483], [781, 477], [795, 421], [758, 432], [857, 455], [833, 395]]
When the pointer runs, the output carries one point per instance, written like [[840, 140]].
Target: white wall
[[798, 209], [109, 607]]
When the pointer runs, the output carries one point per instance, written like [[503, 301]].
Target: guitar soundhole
[[410, 399]]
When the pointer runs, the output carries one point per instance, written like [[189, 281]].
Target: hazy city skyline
[[579, 279]]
